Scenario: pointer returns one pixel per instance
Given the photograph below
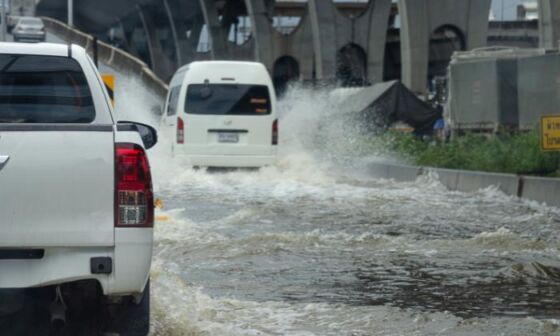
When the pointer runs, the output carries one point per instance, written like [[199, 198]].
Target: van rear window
[[43, 89], [228, 99]]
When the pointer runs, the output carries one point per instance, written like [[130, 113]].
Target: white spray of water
[[134, 103]]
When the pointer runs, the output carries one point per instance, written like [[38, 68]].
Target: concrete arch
[[355, 13], [299, 19], [444, 41], [351, 66], [421, 17], [332, 31], [286, 69], [458, 33], [549, 23]]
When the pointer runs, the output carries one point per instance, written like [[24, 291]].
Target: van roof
[[223, 72], [206, 64]]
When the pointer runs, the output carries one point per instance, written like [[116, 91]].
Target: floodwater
[[314, 247]]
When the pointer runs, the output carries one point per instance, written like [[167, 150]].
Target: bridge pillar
[[420, 18], [263, 31], [216, 33], [371, 32], [324, 17], [549, 23], [161, 64], [333, 33], [185, 47]]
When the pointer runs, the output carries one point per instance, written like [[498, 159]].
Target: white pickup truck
[[76, 199]]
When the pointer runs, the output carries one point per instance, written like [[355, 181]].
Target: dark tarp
[[381, 105]]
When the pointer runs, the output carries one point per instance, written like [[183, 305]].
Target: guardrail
[[109, 55], [543, 190]]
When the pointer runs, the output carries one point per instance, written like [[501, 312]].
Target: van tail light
[[134, 197], [180, 131], [275, 132]]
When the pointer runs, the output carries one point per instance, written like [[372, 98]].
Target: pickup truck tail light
[[180, 131], [275, 132], [134, 197]]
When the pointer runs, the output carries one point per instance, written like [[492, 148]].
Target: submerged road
[[278, 253]]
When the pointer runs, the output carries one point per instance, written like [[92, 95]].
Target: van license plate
[[228, 137]]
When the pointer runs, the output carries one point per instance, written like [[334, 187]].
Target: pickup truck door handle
[[3, 160]]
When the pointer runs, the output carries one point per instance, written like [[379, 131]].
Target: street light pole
[[4, 18], [502, 11], [71, 13]]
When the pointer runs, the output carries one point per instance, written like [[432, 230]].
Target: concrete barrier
[[447, 177], [394, 171], [109, 55], [544, 190], [472, 181]]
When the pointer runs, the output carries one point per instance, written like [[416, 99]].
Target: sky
[[509, 6]]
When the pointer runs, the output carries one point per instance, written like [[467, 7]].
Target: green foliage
[[517, 153]]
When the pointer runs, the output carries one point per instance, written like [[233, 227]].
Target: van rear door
[[57, 179], [229, 119]]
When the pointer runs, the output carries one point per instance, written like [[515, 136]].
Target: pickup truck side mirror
[[147, 133]]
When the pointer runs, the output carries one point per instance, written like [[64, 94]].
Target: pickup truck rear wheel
[[130, 318]]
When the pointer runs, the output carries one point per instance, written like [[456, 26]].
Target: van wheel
[[129, 318]]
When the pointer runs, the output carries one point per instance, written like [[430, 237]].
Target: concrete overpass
[[332, 41]]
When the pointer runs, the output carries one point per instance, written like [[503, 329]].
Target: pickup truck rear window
[[228, 99], [43, 89]]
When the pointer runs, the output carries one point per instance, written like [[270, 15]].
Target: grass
[[516, 154]]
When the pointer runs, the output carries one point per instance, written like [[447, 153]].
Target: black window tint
[[43, 89], [173, 100], [230, 99]]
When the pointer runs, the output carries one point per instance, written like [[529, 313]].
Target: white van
[[222, 114]]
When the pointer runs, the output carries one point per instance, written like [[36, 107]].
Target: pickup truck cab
[[76, 200]]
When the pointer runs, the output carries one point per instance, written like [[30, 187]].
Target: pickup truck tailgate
[[57, 187]]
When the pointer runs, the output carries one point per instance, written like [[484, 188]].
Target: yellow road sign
[[550, 133], [109, 81]]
